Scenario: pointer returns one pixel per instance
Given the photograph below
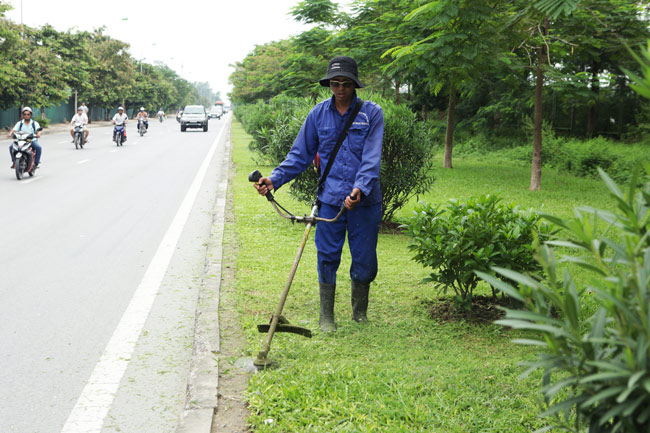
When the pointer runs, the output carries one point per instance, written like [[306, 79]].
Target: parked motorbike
[[24, 153], [118, 134], [78, 132]]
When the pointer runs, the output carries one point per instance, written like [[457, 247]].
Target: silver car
[[194, 116]]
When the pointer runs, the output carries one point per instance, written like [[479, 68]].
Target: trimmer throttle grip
[[255, 176]]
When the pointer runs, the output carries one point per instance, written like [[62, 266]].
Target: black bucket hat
[[341, 66]]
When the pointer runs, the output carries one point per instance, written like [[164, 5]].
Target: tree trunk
[[536, 169], [449, 138], [620, 119], [397, 92], [592, 119]]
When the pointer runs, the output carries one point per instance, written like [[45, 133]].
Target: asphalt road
[[78, 240]]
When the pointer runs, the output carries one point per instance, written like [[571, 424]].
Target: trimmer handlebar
[[255, 177]]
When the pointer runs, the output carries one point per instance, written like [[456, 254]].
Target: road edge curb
[[203, 381]]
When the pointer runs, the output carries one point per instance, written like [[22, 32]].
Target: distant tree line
[[43, 67], [495, 66]]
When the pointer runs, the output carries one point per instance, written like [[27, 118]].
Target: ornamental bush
[[456, 240], [596, 364], [407, 152]]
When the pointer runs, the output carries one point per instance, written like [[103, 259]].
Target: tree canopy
[[482, 64], [44, 67]]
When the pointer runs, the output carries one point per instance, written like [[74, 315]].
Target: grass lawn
[[403, 371]]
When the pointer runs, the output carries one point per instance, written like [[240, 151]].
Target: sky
[[199, 39]]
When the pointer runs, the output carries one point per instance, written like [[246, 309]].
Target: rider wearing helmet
[[143, 117], [82, 118], [30, 125], [121, 118]]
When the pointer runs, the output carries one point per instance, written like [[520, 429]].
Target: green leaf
[[603, 395], [520, 324], [530, 342], [603, 377], [555, 8], [516, 276], [501, 285], [611, 185]]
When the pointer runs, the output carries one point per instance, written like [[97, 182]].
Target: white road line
[[63, 142], [83, 161], [97, 396], [114, 150]]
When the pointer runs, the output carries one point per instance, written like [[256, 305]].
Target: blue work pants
[[362, 227]]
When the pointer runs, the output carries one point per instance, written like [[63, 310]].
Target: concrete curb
[[202, 385]]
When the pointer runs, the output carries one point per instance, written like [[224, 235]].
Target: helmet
[[80, 108], [120, 108], [141, 108], [26, 109]]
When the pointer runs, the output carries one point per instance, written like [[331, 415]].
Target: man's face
[[342, 87], [79, 112], [120, 111], [27, 115]]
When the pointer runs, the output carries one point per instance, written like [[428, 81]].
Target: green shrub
[[596, 366], [583, 157], [406, 165], [43, 121], [460, 238]]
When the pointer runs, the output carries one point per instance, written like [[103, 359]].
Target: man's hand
[[264, 185], [353, 199]]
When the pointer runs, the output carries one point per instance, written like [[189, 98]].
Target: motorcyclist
[[143, 117], [161, 114], [29, 125], [121, 118], [82, 118]]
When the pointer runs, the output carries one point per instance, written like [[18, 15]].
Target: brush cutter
[[278, 322]]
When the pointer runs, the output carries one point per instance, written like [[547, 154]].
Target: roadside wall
[[57, 114]]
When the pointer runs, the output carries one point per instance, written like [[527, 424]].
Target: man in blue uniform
[[353, 181]]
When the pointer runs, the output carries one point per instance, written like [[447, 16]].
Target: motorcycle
[[161, 117], [78, 133], [24, 153], [118, 134], [141, 128], [178, 116]]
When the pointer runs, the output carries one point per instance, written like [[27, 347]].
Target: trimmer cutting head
[[285, 326]]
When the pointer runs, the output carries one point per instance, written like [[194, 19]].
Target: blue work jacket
[[357, 162]]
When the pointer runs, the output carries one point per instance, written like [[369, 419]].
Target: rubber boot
[[360, 301], [326, 317]]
